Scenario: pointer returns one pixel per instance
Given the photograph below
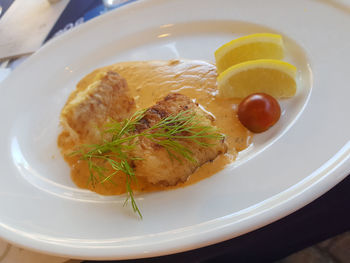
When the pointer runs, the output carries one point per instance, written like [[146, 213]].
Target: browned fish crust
[[156, 164]]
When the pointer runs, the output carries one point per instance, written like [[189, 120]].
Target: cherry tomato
[[258, 112]]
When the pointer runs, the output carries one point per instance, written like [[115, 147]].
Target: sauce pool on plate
[[149, 82]]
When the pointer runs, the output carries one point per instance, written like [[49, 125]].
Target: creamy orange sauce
[[151, 81]]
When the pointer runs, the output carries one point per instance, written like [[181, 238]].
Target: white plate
[[296, 161]]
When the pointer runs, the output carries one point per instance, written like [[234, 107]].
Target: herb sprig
[[123, 137]]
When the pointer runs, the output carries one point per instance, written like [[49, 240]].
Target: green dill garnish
[[123, 137]]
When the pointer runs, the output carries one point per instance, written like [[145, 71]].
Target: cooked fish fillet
[[104, 94], [87, 110], [155, 163]]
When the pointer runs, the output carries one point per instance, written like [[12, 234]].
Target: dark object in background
[[5, 4], [78, 12], [327, 216], [72, 16]]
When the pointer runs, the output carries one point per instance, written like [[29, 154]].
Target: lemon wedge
[[251, 47], [274, 77]]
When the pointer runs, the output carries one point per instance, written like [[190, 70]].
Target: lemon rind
[[283, 66], [259, 37]]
